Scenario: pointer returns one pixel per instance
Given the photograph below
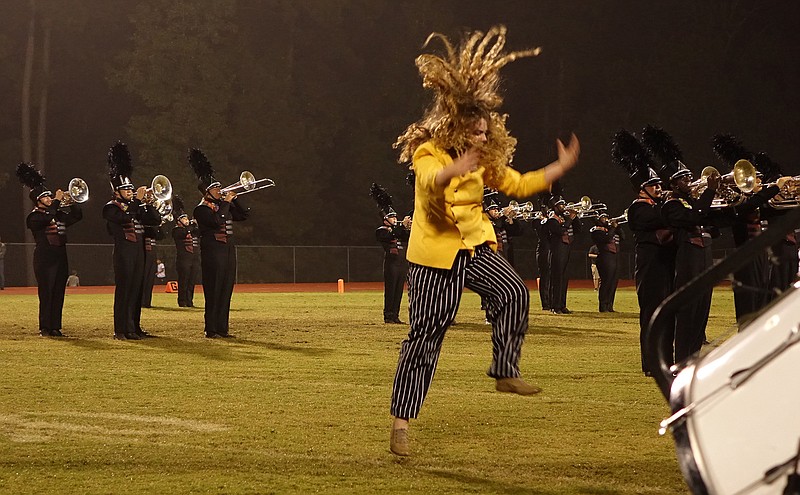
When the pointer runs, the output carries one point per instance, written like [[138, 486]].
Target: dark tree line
[[312, 93]]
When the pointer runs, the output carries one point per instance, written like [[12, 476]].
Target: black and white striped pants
[[434, 295]]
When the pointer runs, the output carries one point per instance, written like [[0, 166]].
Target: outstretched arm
[[567, 158]]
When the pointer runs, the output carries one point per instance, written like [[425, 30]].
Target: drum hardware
[[247, 183], [77, 192]]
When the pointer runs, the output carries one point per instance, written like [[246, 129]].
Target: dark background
[[312, 93]]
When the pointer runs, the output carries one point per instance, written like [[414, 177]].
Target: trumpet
[[586, 209], [247, 183], [77, 192], [583, 205], [620, 219], [524, 211]]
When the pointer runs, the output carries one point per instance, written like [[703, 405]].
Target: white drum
[[736, 418]]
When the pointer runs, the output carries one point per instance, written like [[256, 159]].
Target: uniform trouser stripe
[[434, 295]]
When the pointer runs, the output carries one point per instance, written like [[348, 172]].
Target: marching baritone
[[187, 253], [125, 216], [654, 242], [606, 236], [48, 223], [215, 216]]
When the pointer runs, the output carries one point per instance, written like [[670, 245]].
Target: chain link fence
[[279, 264]]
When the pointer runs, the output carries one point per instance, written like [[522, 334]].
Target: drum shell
[[732, 437]]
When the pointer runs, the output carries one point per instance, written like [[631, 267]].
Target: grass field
[[298, 402]]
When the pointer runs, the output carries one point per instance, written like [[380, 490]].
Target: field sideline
[[298, 402]]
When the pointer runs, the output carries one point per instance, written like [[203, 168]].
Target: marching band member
[[690, 220], [48, 223], [750, 283], [187, 253], [125, 215], [561, 226], [459, 145], [393, 237], [784, 261], [606, 236], [504, 229], [655, 245], [215, 216], [543, 253]]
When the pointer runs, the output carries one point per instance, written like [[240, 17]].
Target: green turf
[[298, 402]]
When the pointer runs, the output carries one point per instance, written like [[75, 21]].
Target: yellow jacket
[[450, 218]]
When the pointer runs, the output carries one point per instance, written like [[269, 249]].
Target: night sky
[[313, 93]]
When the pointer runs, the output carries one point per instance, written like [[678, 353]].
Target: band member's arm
[[514, 228], [39, 220], [384, 234], [600, 236], [643, 217], [677, 215], [114, 214], [757, 200], [70, 215], [178, 235], [147, 214], [238, 211], [553, 228]]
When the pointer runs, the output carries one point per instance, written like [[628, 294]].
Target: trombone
[[77, 192], [247, 183]]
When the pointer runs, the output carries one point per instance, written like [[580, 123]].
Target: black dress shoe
[[132, 336], [212, 336], [120, 336], [398, 321], [565, 311], [227, 335], [143, 335], [56, 333]]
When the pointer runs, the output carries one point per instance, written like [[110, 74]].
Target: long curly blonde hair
[[466, 88]]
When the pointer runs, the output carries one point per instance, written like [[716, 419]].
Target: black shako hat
[[665, 153], [382, 198], [203, 170], [29, 176], [120, 167], [627, 153], [178, 208]]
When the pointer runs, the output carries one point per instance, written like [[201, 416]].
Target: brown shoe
[[399, 442], [516, 386]]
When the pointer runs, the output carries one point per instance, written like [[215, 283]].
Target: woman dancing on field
[[459, 146]]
